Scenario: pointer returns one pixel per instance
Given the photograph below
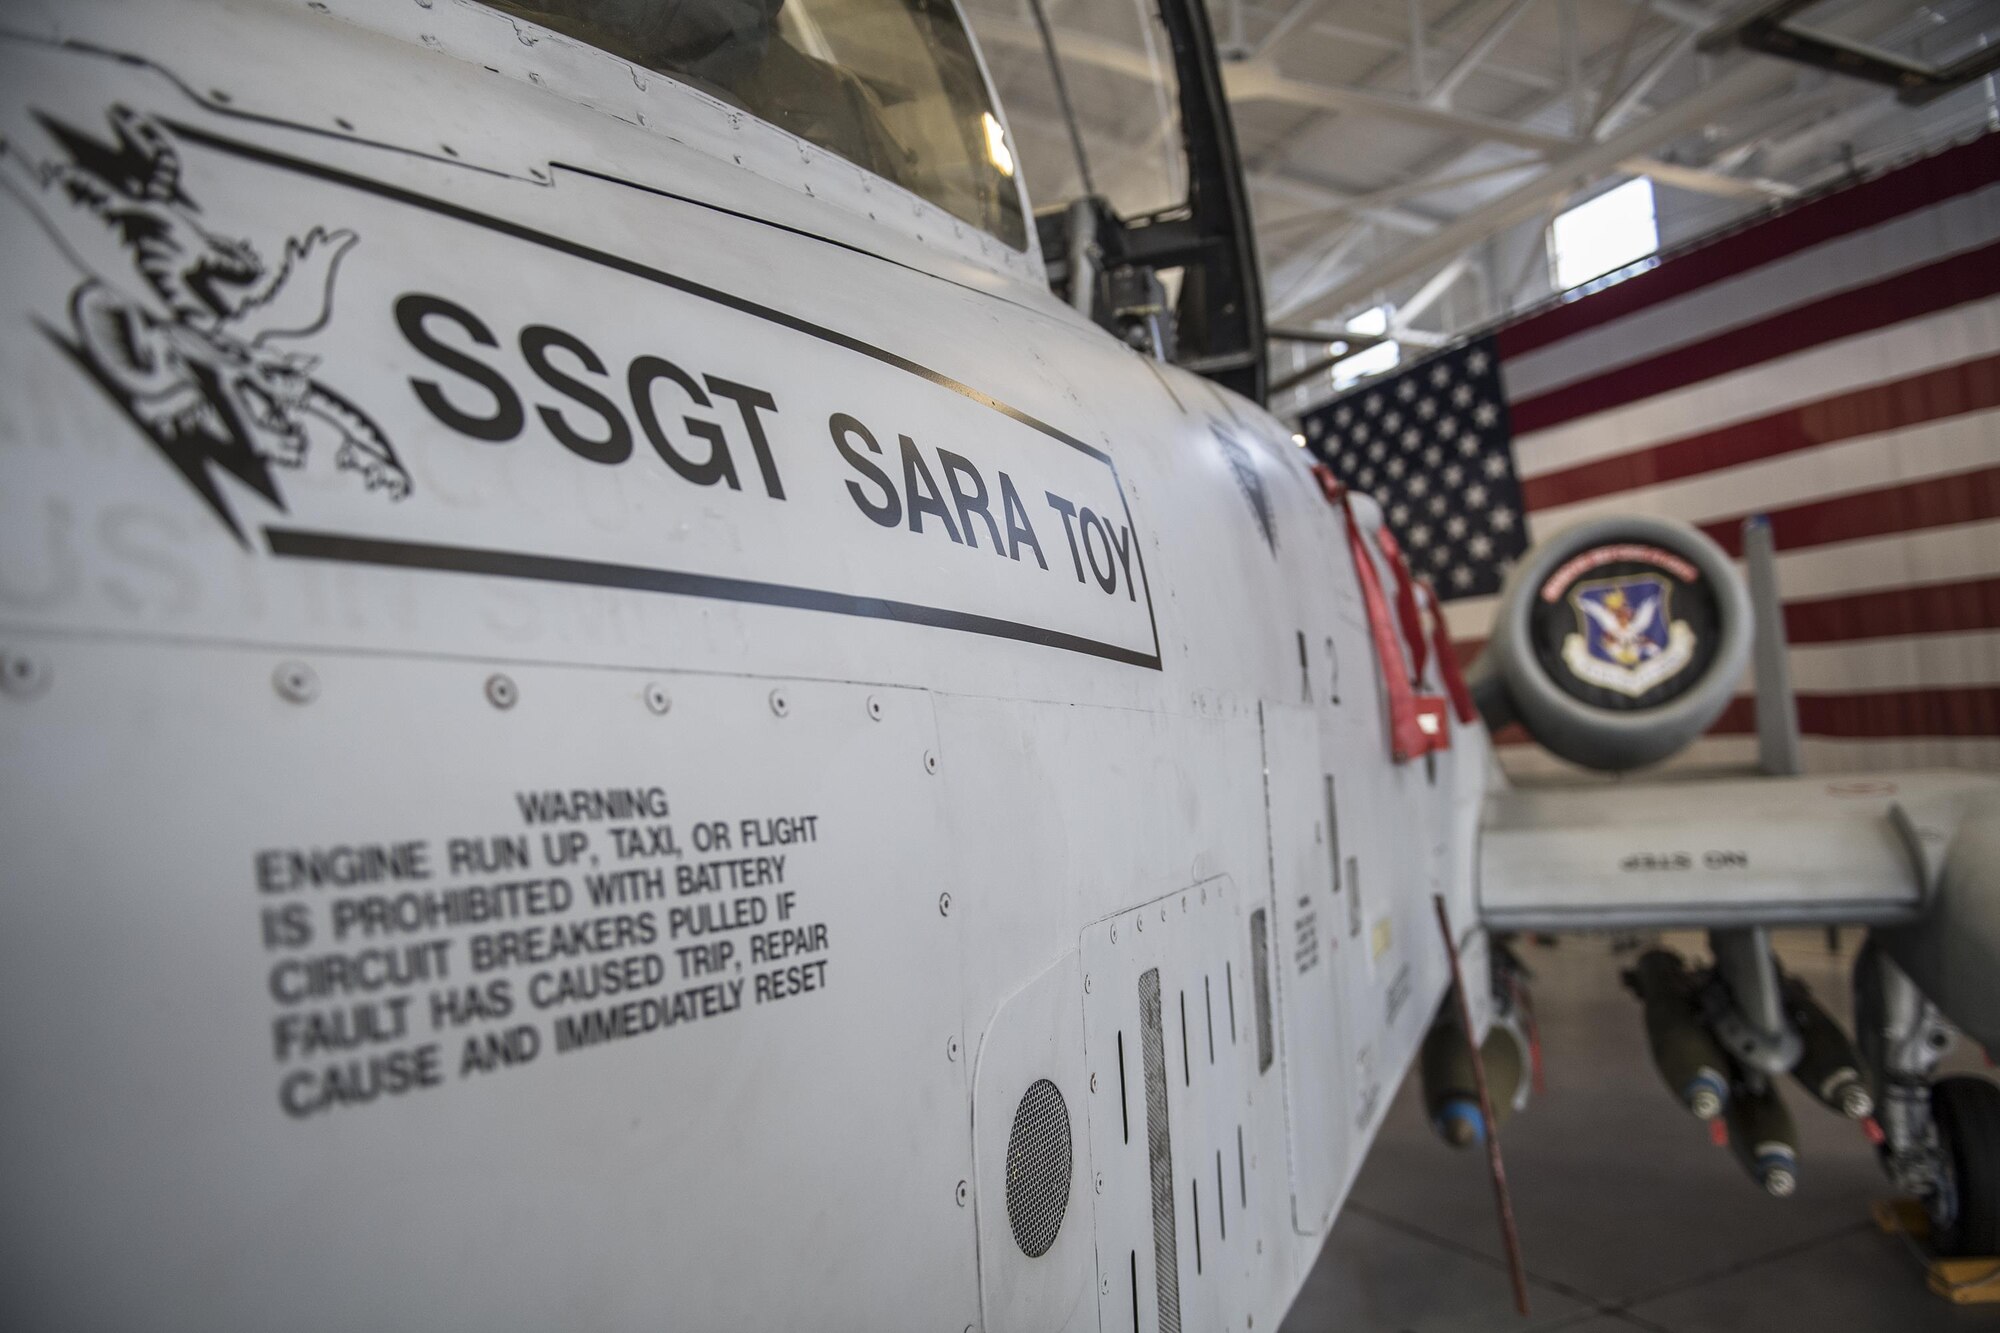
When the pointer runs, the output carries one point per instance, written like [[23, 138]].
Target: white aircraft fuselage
[[597, 698]]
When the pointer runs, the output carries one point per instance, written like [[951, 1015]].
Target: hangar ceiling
[[1410, 153]]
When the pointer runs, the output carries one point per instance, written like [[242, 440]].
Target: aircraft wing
[[1734, 852]]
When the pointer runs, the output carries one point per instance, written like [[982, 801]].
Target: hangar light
[[1604, 234], [996, 144], [1371, 360]]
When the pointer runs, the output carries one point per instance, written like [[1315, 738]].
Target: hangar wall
[[1835, 366]]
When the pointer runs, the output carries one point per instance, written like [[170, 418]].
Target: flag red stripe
[[1929, 608], [1867, 715], [1950, 391], [1951, 281], [1878, 714], [1897, 193], [1935, 502]]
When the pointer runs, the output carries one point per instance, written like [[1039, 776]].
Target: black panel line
[[1124, 1107], [1187, 1070], [305, 545], [1208, 1003], [1194, 1192], [1221, 1210]]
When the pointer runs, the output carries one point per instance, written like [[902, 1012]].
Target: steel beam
[[1747, 81], [1262, 81], [1427, 296], [1440, 93], [1635, 92]]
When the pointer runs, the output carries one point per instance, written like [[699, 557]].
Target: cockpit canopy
[[891, 85]]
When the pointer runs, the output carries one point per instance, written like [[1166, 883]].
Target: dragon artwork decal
[[185, 328]]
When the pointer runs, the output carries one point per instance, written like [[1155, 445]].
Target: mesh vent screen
[[1038, 1168], [1159, 1153]]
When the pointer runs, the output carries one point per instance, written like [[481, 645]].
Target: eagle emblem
[[1625, 640]]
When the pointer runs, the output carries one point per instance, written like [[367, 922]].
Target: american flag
[[1431, 444], [1835, 366]]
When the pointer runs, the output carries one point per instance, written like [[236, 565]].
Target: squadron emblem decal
[[184, 327], [1625, 640]]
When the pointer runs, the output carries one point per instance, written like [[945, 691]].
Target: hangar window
[[1373, 359], [890, 85], [1616, 229]]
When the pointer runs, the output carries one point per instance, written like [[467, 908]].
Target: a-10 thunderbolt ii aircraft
[[630, 696]]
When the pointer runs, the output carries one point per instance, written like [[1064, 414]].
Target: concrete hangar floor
[[1630, 1219]]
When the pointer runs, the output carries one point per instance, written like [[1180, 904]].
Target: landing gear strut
[[1940, 1138]]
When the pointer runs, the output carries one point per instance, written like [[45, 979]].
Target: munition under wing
[[1829, 1067], [1687, 1056], [1764, 1138], [1451, 1093], [1682, 1010]]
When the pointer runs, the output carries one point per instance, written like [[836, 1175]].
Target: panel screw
[[1093, 1084], [951, 1048], [500, 691], [1100, 1182], [964, 1192], [1140, 922], [1104, 1286], [23, 676], [296, 681], [657, 697], [930, 762], [944, 904], [1086, 985], [1114, 934], [875, 707], [779, 703]]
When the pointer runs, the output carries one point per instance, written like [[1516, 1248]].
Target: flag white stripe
[[1865, 463], [1910, 662], [1917, 662], [1879, 357], [1471, 618], [1842, 264], [1894, 560]]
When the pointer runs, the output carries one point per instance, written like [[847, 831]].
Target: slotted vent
[[1038, 1168]]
